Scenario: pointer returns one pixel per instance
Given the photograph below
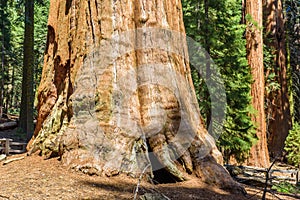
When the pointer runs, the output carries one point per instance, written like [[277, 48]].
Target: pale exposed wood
[[12, 160], [2, 156]]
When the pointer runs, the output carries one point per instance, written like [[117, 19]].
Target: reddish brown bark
[[278, 107], [108, 115], [259, 153]]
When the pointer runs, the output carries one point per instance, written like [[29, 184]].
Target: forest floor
[[36, 178]]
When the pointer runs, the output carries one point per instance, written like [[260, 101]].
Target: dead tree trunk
[[116, 92]]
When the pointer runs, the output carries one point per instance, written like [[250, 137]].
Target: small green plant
[[252, 23], [14, 111], [286, 187], [292, 145]]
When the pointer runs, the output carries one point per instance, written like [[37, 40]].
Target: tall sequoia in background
[[259, 153], [26, 110], [117, 97], [278, 107]]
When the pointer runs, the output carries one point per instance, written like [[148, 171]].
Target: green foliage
[[11, 51], [292, 29], [17, 35], [12, 33], [217, 26], [286, 187], [40, 32], [270, 77], [292, 145], [252, 24]]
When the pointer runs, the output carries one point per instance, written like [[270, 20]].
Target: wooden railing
[[7, 146], [259, 174]]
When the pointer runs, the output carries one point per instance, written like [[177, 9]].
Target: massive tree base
[[116, 94], [91, 151], [206, 169]]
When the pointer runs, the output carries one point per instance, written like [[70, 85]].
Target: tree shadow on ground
[[176, 191]]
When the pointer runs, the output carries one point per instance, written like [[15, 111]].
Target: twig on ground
[[139, 181], [12, 160], [5, 197], [2, 157]]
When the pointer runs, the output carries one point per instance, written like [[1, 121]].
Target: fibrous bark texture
[[259, 153], [116, 92], [278, 107]]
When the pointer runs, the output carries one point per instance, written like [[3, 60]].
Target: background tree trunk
[[293, 28], [2, 67], [26, 111], [278, 109], [4, 47], [114, 99], [259, 153]]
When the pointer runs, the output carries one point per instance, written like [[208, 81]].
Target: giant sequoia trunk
[[259, 153], [278, 109], [116, 94]]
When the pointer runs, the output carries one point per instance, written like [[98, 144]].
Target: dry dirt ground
[[36, 178]]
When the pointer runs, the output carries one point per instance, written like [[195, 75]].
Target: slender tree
[[259, 155], [116, 94], [26, 112]]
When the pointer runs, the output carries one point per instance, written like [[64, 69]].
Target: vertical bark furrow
[[91, 21], [68, 6]]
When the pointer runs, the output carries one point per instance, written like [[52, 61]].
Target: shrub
[[292, 146], [286, 187]]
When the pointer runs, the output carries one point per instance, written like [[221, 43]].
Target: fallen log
[[8, 125]]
